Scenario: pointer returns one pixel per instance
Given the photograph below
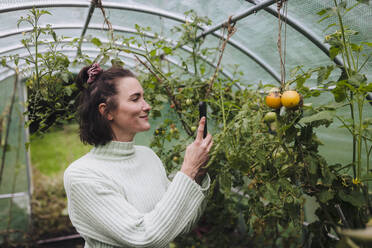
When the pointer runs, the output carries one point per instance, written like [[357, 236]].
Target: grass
[[52, 152]]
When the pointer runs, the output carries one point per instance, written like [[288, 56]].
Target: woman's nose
[[146, 106]]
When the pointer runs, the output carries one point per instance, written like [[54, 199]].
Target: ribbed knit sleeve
[[204, 187], [102, 213]]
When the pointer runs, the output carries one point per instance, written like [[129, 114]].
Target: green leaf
[[367, 43], [45, 12], [104, 59], [324, 73], [202, 69], [16, 60], [117, 62], [3, 61], [333, 51], [225, 183], [153, 53], [339, 93], [328, 176], [325, 17], [312, 164], [96, 42], [137, 27], [325, 196], [364, 1], [355, 198], [324, 11], [167, 50], [333, 105], [65, 77], [54, 35], [357, 79], [294, 71], [320, 116], [329, 26], [356, 48]]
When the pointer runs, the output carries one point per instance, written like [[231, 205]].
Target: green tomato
[[193, 128], [188, 101], [270, 117]]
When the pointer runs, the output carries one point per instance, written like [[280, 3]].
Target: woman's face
[[131, 114]]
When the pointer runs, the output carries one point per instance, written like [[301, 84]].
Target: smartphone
[[203, 112]]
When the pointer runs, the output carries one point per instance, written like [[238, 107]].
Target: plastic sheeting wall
[[15, 188]]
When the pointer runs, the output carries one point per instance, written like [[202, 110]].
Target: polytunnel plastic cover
[[257, 33]]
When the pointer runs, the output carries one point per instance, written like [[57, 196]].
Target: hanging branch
[[230, 31], [98, 3], [8, 125], [171, 96], [280, 4]]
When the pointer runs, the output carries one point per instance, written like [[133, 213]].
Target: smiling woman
[[118, 193], [131, 114]]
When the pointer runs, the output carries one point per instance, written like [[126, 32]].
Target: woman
[[118, 193]]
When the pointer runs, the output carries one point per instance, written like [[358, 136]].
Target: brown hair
[[94, 127]]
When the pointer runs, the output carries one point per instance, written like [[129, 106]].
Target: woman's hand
[[196, 154]]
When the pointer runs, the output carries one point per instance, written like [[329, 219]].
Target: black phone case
[[203, 112]]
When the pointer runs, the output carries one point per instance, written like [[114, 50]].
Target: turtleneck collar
[[114, 150]]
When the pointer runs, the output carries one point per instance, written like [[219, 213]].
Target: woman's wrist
[[200, 176], [189, 172], [199, 179]]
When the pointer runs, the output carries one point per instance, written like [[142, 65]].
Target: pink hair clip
[[93, 71]]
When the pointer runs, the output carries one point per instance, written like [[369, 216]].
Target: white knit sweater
[[119, 196]]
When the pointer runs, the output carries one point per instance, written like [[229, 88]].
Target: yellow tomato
[[273, 100], [290, 99]]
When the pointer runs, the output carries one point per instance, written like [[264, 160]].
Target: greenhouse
[[241, 123]]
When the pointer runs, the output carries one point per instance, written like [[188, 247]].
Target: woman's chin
[[146, 127]]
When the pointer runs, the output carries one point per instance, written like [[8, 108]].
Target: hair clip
[[93, 71]]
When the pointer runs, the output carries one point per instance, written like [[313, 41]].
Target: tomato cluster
[[289, 99]]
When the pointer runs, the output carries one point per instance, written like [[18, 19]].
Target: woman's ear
[[102, 109]]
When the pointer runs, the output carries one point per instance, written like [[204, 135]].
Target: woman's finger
[[207, 139], [199, 135], [210, 146]]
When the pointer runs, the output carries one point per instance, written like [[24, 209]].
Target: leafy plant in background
[[350, 196], [51, 91], [352, 86]]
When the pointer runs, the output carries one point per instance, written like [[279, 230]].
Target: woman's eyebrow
[[137, 94]]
